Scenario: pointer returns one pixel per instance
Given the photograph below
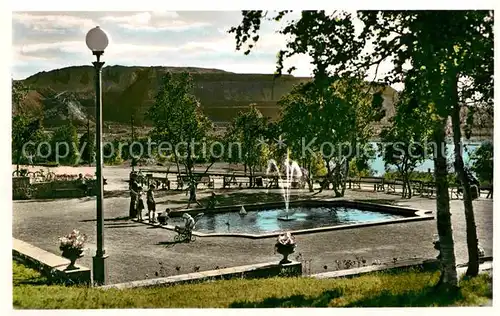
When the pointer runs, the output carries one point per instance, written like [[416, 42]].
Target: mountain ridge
[[128, 91]]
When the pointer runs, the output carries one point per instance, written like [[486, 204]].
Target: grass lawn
[[409, 288]]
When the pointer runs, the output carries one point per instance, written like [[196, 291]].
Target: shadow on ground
[[124, 225], [428, 296], [171, 243], [121, 218], [321, 300], [125, 193], [32, 281]]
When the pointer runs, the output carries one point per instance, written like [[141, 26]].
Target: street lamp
[[97, 41]]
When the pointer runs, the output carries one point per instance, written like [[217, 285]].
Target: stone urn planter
[[71, 246], [285, 250], [72, 254], [285, 246]]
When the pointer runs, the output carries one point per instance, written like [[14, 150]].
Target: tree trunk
[[177, 163], [448, 277], [472, 244], [326, 182], [250, 182], [310, 183], [405, 188], [192, 180], [408, 186], [336, 183], [345, 176]]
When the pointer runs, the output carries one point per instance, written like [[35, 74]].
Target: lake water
[[377, 164]]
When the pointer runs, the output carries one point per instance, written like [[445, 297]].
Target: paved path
[[136, 250]]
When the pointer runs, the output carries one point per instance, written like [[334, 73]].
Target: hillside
[[128, 91], [68, 93]]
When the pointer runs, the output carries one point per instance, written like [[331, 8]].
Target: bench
[[458, 191], [390, 185], [378, 183], [259, 182], [354, 182], [428, 188], [416, 186], [181, 180], [295, 185], [228, 180], [488, 188], [207, 181], [163, 181], [273, 182]]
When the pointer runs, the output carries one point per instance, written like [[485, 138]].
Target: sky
[[43, 41]]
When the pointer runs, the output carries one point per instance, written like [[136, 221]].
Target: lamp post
[[88, 142], [132, 124], [97, 41]]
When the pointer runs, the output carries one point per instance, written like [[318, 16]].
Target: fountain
[[291, 169]]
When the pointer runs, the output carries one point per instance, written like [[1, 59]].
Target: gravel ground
[[136, 250]]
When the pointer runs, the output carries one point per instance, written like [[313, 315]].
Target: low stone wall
[[261, 270], [58, 189], [49, 264], [21, 188]]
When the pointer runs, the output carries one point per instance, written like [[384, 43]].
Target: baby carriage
[[185, 234]]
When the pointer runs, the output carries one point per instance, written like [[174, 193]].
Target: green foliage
[[414, 175], [482, 162], [249, 130], [111, 153], [317, 166], [360, 168], [329, 39], [178, 120], [25, 130], [19, 91], [87, 146], [431, 64], [405, 143], [67, 138], [333, 117], [176, 114]]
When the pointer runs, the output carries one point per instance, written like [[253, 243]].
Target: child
[[150, 200], [140, 204]]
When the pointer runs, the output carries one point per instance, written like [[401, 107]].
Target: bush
[[66, 134]]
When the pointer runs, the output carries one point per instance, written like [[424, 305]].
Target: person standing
[[140, 204], [150, 201], [134, 191]]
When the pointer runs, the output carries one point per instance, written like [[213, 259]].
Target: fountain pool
[[264, 219]]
